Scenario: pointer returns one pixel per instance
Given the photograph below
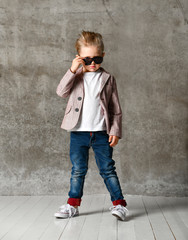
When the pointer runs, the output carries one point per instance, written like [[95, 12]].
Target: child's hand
[[114, 140], [76, 63]]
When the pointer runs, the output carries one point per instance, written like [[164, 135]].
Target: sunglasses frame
[[97, 60]]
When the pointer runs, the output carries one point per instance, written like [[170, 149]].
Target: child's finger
[[80, 57], [82, 61], [112, 143]]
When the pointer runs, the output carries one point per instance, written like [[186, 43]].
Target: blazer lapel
[[80, 76], [105, 77]]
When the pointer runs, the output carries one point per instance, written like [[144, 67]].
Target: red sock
[[74, 201], [120, 201]]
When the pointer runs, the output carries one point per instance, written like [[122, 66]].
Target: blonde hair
[[87, 38]]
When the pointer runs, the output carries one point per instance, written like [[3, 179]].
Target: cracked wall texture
[[146, 45]]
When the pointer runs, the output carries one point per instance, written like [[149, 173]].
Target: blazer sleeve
[[66, 83], [115, 112]]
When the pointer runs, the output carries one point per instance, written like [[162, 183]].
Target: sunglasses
[[89, 60]]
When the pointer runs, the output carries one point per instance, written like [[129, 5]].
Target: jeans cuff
[[74, 201], [120, 201]]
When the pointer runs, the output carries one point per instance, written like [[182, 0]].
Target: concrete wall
[[146, 45]]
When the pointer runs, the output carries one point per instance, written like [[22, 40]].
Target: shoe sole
[[117, 216], [58, 215]]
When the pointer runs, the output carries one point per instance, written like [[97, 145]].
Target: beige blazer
[[72, 86]]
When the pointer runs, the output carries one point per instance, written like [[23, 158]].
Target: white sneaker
[[67, 211], [119, 211]]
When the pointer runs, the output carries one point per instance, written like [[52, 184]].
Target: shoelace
[[121, 208], [68, 208]]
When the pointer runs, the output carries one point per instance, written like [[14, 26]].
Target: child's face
[[91, 51]]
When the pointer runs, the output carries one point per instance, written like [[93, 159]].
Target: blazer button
[[76, 109], [79, 98]]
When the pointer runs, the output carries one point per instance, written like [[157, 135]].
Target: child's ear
[[103, 54]]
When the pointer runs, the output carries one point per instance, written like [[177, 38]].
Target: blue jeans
[[80, 142]]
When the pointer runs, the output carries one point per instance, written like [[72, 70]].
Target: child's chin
[[93, 69]]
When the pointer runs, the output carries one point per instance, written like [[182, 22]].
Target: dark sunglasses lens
[[98, 60], [87, 61]]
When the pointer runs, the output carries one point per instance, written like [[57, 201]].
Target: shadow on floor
[[136, 211]]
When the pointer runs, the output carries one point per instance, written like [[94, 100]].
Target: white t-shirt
[[91, 118]]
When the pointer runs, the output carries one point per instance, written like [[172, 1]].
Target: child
[[94, 118]]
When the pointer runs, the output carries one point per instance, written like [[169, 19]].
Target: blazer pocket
[[68, 109]]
